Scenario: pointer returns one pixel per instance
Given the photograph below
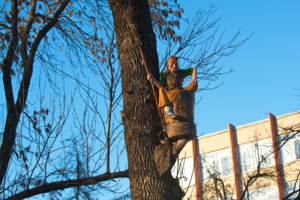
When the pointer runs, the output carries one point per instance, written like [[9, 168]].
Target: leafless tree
[[64, 67]]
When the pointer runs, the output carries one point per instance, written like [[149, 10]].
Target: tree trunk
[[140, 112]]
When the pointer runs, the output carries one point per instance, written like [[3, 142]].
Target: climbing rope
[[139, 44]]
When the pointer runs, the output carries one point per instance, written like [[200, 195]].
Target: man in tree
[[170, 86], [170, 83]]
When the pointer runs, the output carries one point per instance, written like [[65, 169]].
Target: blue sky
[[266, 68]]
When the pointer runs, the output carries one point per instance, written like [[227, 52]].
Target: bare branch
[[60, 185]]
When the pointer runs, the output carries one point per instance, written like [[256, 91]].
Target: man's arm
[[194, 77], [154, 81], [190, 71]]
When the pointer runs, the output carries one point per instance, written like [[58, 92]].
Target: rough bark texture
[[140, 113], [163, 158]]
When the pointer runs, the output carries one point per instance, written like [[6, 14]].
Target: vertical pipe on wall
[[279, 174], [197, 174], [235, 160]]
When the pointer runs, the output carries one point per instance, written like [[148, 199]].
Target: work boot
[[169, 112]]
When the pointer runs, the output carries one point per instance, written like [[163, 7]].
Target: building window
[[217, 163], [266, 193], [256, 154], [184, 171], [290, 147], [290, 187]]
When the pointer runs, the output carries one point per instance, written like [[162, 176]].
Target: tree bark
[[140, 113]]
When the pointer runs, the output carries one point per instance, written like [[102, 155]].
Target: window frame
[[215, 159], [256, 152], [286, 141]]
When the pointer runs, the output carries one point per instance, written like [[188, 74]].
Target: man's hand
[[150, 77], [194, 82], [153, 80], [194, 77]]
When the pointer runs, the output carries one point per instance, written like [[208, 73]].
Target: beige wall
[[190, 193], [187, 151], [265, 181], [253, 132], [288, 120], [291, 171], [214, 142]]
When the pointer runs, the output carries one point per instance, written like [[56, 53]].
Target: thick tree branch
[[12, 118], [42, 33], [28, 64], [14, 110], [8, 61], [25, 32], [292, 193], [60, 185]]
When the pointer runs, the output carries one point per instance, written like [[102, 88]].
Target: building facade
[[260, 161]]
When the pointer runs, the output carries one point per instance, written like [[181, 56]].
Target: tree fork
[[14, 110], [140, 116]]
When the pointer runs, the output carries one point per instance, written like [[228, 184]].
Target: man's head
[[172, 64]]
